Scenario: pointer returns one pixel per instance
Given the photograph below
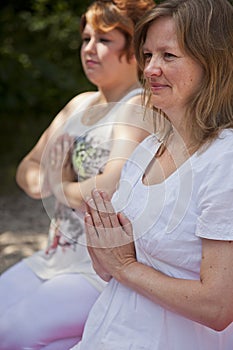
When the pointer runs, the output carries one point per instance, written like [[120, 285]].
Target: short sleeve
[[215, 199]]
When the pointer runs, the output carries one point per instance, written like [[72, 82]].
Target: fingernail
[[95, 191], [91, 203], [87, 216]]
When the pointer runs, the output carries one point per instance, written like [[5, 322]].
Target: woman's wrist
[[59, 191], [128, 274], [67, 192]]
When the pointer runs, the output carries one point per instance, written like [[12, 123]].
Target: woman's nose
[[90, 46], [153, 68]]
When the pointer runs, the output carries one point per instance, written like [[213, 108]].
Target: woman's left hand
[[109, 237]]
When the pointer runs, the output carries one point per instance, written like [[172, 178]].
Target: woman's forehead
[[161, 33]]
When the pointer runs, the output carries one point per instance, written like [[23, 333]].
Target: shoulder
[[215, 164], [215, 189], [77, 100], [66, 112], [217, 150], [132, 113], [226, 138]]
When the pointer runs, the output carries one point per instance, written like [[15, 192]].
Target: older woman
[[167, 246]]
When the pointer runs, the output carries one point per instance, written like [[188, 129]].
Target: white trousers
[[42, 314]]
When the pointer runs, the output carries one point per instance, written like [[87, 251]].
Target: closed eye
[[104, 40]]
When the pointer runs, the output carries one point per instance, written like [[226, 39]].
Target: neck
[[180, 130], [182, 140]]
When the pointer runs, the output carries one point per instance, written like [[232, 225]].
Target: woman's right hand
[[109, 237]]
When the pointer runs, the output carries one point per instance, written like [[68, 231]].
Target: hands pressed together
[[109, 234], [60, 169], [109, 237]]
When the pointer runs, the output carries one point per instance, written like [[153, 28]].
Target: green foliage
[[39, 71], [39, 56]]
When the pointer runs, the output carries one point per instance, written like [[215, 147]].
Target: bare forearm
[[74, 194], [190, 298]]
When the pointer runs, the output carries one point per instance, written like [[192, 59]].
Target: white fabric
[[75, 258], [37, 314], [168, 220]]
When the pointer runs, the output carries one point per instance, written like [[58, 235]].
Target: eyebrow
[[160, 48]]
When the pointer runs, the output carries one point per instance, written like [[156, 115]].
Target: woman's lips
[[91, 63], [157, 86]]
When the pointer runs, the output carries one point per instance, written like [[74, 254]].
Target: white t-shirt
[[169, 219]]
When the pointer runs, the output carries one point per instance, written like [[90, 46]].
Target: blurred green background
[[40, 72]]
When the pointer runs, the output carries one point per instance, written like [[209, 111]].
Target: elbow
[[18, 178], [28, 180], [216, 311], [220, 318], [219, 325], [32, 191]]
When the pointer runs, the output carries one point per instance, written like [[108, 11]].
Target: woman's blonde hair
[[204, 32], [117, 14]]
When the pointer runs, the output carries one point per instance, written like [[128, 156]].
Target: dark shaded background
[[40, 72]]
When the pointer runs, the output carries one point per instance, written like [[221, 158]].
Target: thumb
[[125, 223]]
